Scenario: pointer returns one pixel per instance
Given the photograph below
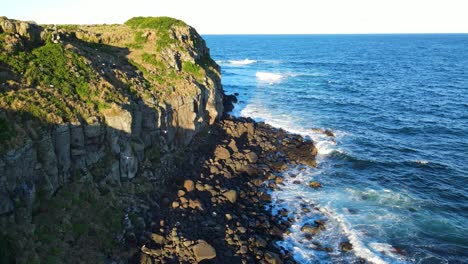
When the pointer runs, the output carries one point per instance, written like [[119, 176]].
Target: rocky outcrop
[[137, 137]]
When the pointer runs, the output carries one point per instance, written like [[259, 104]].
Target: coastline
[[222, 205]]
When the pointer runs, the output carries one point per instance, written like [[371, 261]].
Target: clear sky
[[258, 16]]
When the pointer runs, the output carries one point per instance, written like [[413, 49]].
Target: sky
[[258, 16]]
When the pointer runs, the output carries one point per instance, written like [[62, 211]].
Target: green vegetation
[[52, 65], [162, 25], [193, 69], [158, 23], [68, 27]]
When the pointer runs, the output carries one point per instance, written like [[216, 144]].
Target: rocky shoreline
[[218, 210], [124, 154]]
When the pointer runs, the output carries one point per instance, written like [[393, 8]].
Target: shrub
[[158, 23], [162, 25]]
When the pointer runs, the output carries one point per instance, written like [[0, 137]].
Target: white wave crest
[[422, 162], [242, 62], [325, 145], [358, 246], [269, 77]]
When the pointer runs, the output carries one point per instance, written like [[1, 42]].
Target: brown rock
[[302, 152], [232, 145], [151, 252], [310, 229], [180, 193], [189, 185], [202, 250], [221, 153], [260, 242], [346, 246], [315, 184], [278, 180], [195, 204], [272, 258], [243, 250], [158, 239], [231, 195], [266, 197], [251, 157], [329, 133], [175, 204]]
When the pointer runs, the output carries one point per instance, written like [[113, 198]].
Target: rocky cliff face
[[107, 106]]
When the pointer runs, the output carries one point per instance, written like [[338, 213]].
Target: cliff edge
[[91, 118]]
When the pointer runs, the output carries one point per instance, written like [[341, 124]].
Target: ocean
[[395, 175]]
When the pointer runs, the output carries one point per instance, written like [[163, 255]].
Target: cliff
[[92, 119]]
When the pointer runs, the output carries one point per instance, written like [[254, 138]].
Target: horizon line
[[305, 34]]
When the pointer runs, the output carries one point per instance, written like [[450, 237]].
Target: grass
[[162, 25], [158, 23], [193, 69], [65, 70]]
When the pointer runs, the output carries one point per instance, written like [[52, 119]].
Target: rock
[[272, 258], [302, 152], [346, 246], [266, 197], [315, 184], [260, 242], [232, 145], [329, 133], [243, 250], [195, 204], [180, 193], [151, 252], [251, 157], [128, 163], [189, 185], [231, 195], [228, 217], [221, 153], [310, 229], [202, 250], [175, 204], [158, 239]]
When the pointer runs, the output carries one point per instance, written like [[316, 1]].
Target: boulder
[[346, 246], [231, 195], [310, 229], [195, 204], [266, 197], [221, 153], [202, 250], [158, 239], [189, 185], [251, 157], [233, 146], [315, 184]]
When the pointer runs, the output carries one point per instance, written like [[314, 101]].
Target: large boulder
[[202, 250], [222, 153], [231, 195]]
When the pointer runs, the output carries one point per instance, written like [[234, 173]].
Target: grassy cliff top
[[75, 73]]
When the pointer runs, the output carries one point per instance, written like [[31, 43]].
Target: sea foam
[[269, 77], [242, 62]]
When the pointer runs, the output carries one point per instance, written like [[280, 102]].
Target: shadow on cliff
[[145, 146]]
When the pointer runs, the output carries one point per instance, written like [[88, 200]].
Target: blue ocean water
[[394, 178]]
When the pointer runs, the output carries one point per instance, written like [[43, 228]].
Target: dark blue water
[[395, 177]]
